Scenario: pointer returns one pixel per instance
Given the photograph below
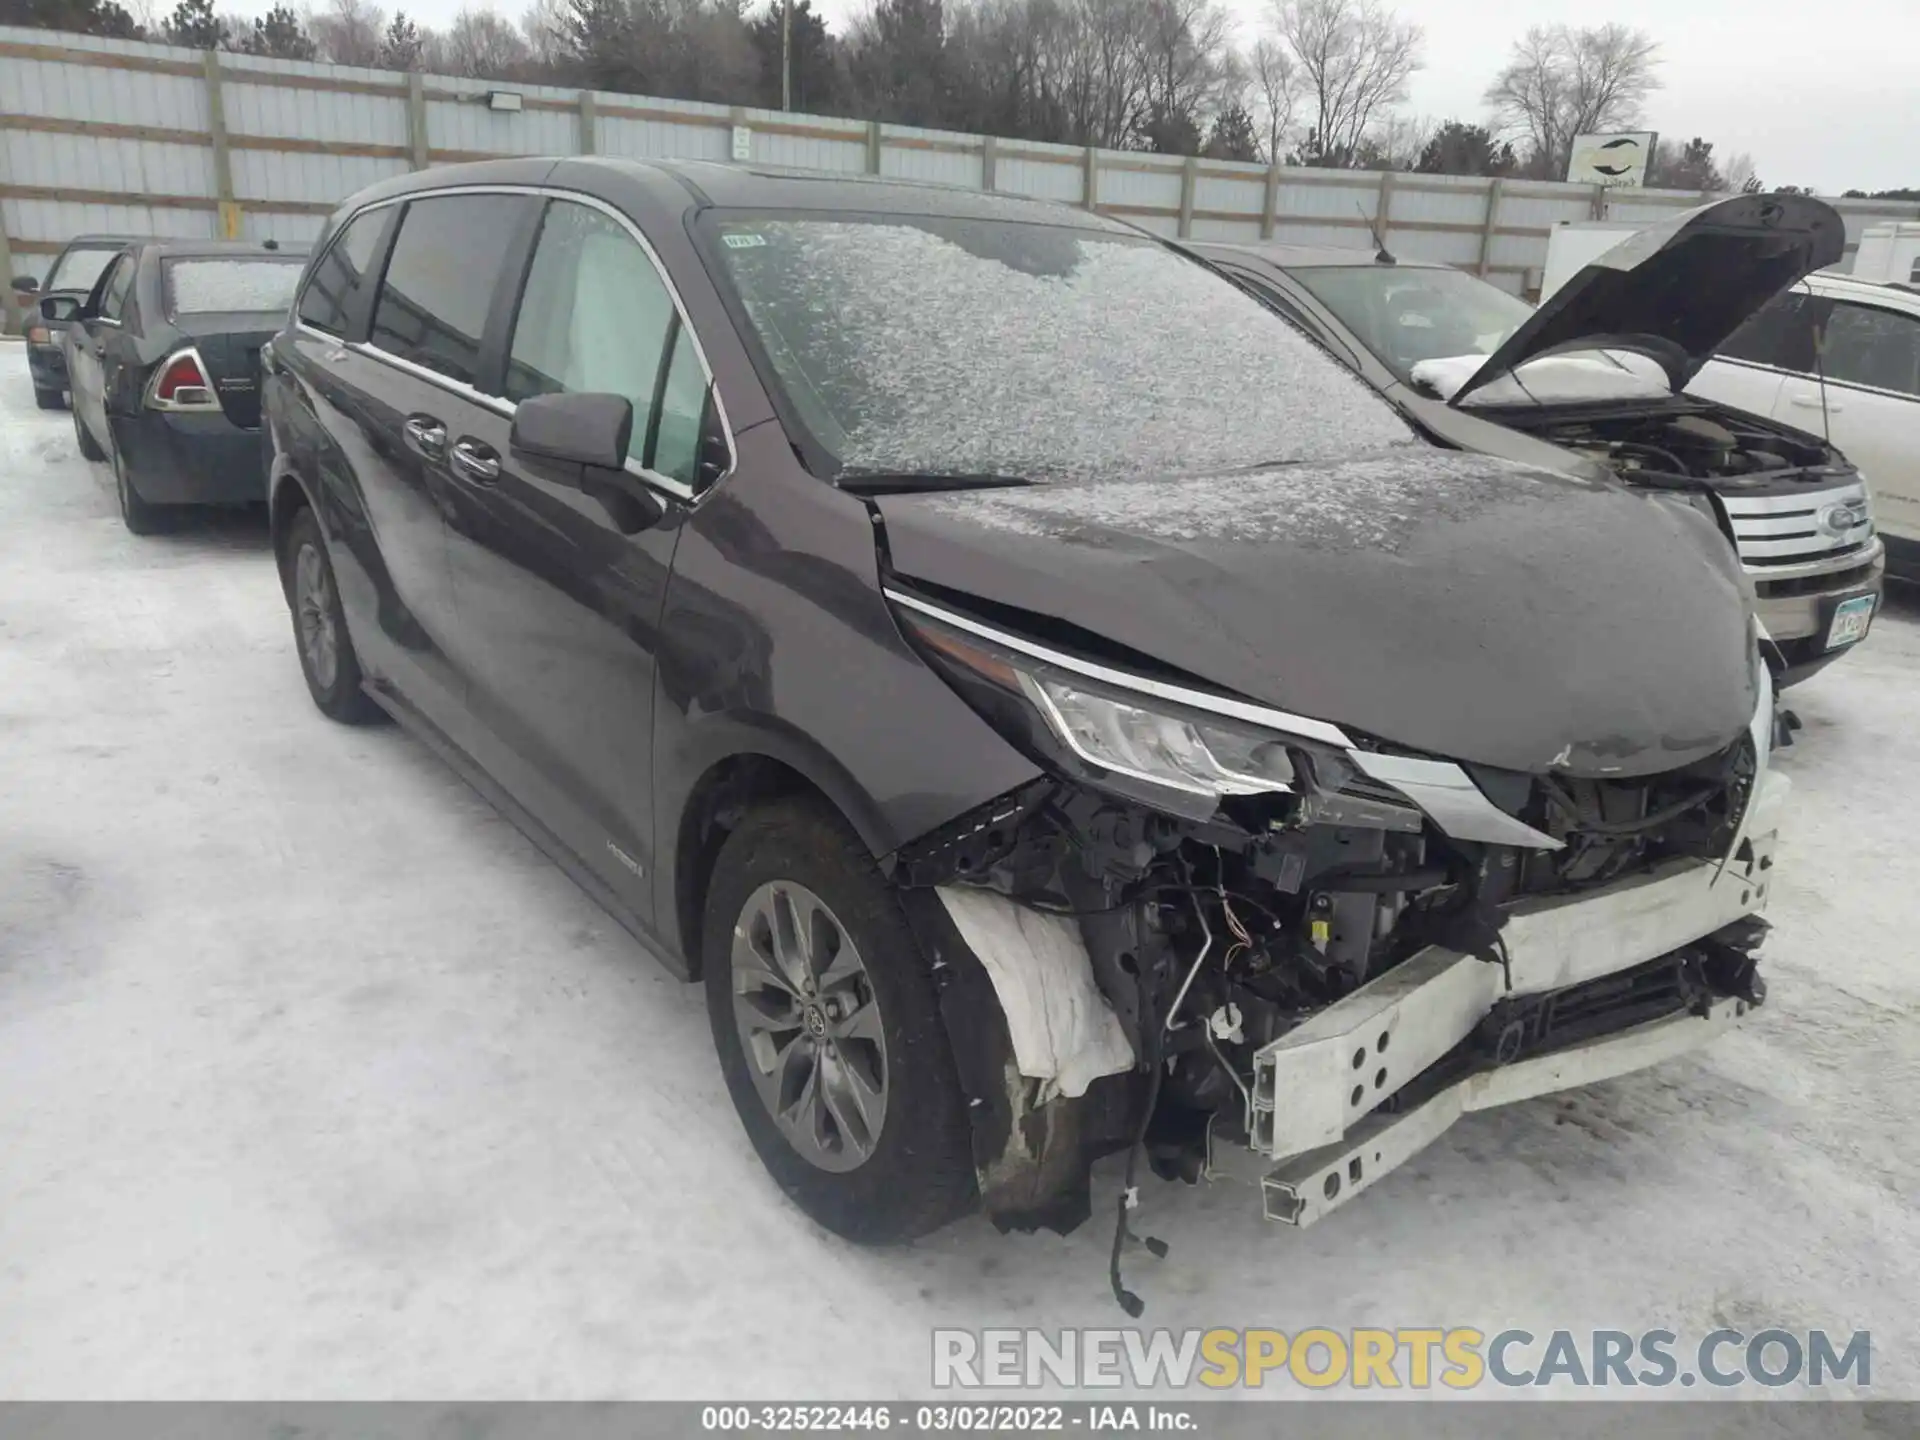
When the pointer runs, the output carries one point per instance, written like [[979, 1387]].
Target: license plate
[[1850, 621]]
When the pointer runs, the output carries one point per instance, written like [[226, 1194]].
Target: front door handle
[[426, 435], [1812, 402], [473, 461]]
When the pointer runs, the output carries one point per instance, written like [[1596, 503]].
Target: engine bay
[[1734, 452]]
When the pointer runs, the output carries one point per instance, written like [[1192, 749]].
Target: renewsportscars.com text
[[1460, 1358]]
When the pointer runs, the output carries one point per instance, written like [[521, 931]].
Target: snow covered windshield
[[80, 269], [212, 287], [987, 346]]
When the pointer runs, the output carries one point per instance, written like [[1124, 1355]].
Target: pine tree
[[401, 46], [1233, 136], [279, 34], [194, 23]]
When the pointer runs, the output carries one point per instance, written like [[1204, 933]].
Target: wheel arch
[[760, 765]]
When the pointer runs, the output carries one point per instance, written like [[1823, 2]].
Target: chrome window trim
[[1301, 726], [499, 404]]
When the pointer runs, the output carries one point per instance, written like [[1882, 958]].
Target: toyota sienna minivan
[[1053, 708]]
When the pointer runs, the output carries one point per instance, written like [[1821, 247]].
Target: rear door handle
[[426, 435], [474, 461], [1812, 402]]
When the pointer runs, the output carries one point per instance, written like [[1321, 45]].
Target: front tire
[[327, 658], [823, 1013], [89, 447], [49, 399]]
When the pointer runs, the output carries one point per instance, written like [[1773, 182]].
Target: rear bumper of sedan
[[192, 459], [48, 366]]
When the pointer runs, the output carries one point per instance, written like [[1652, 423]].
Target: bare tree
[[1560, 83], [1354, 59], [1274, 74], [348, 32], [481, 44], [543, 27], [1740, 175]]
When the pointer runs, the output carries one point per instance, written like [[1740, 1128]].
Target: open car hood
[[1453, 604], [1676, 291]]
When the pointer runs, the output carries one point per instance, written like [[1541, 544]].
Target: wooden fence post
[[1090, 180], [1491, 224], [229, 222], [1189, 174], [989, 157], [1383, 207], [417, 119], [589, 125], [1270, 205], [873, 147]]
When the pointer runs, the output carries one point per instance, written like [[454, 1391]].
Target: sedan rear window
[[209, 287], [984, 346]]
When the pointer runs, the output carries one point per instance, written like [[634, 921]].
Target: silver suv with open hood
[[1592, 382]]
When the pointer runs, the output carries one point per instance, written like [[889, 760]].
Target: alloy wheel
[[313, 605], [810, 1026]]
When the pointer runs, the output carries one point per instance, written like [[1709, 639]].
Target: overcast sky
[[1822, 95]]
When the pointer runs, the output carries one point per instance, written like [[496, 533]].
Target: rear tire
[[89, 447], [327, 658], [832, 1020], [139, 516], [49, 399]]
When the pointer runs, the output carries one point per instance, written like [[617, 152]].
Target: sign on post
[[1619, 159], [742, 144]]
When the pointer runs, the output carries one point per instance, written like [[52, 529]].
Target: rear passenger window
[[596, 318], [1867, 345], [440, 280], [119, 281], [327, 302]]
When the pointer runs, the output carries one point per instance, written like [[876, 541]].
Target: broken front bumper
[[1318, 1090]]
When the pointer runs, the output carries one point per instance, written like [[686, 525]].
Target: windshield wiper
[[908, 482]]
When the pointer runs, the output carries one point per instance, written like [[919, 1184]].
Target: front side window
[[971, 345], [327, 302], [1866, 345], [596, 318], [441, 278], [115, 287], [212, 287], [80, 268], [1780, 334]]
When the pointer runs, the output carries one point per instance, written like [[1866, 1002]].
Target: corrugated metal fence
[[123, 136]]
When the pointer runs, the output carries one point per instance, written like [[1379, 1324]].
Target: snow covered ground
[[316, 1080]]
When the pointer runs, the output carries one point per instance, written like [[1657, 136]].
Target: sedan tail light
[[181, 383], [39, 335]]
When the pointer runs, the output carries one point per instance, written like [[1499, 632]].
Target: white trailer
[[1889, 253]]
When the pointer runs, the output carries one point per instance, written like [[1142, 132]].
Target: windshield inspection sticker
[[741, 240]]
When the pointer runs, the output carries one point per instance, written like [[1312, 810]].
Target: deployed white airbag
[[1063, 1030]]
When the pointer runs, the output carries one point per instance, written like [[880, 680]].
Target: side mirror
[[591, 432], [60, 309], [25, 283], [574, 429]]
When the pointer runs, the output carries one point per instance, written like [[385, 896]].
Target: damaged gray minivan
[[1057, 709]]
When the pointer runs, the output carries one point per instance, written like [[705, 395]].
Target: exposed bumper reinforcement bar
[[1308, 1186], [1315, 1083]]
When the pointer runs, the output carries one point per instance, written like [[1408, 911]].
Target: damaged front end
[[1232, 936]]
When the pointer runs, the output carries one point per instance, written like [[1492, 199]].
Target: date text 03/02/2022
[[941, 1418]]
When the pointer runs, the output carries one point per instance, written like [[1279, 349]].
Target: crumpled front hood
[[1456, 604], [1676, 292]]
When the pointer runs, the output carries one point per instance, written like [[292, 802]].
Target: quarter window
[[327, 302], [441, 279], [1866, 345], [596, 318]]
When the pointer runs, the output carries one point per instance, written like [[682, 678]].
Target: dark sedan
[[163, 362], [73, 274]]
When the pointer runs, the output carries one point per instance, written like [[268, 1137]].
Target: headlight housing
[[1150, 748]]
